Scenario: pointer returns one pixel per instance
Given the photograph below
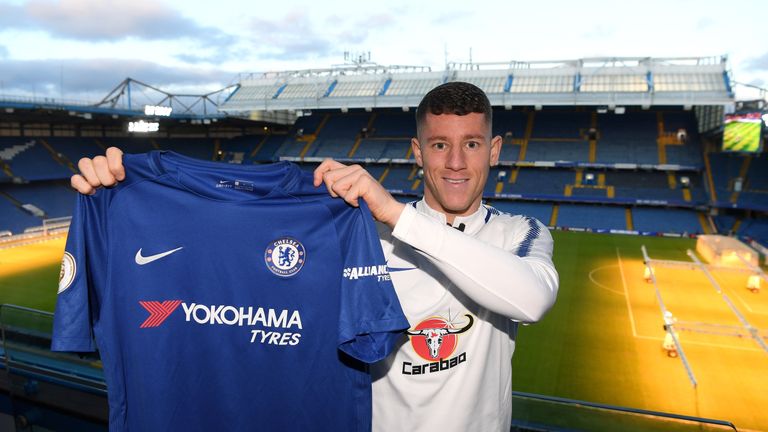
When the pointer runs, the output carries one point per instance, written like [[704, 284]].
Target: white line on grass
[[743, 302], [708, 344], [626, 294], [607, 288]]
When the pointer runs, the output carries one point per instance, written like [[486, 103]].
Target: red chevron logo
[[158, 312]]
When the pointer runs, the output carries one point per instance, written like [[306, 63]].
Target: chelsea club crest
[[285, 256]]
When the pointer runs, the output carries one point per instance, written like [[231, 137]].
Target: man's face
[[456, 153]]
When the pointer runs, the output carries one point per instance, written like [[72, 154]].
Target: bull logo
[[438, 337]]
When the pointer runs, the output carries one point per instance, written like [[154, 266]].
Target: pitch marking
[[607, 288], [626, 294]]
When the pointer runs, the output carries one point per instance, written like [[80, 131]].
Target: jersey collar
[[472, 223]]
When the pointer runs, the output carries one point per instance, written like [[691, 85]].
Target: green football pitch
[[602, 341]]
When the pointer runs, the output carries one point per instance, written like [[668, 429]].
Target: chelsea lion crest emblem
[[285, 256]]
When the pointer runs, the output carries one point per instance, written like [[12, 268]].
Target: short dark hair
[[455, 97]]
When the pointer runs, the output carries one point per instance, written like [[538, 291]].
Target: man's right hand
[[99, 171]]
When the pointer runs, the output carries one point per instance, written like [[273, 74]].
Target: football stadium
[[649, 173]]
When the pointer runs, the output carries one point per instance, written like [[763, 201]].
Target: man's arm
[[522, 288], [99, 171], [516, 279]]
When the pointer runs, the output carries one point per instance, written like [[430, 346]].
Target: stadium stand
[[393, 124], [649, 219], [630, 137], [539, 182], [534, 144], [266, 149], [755, 229], [551, 150], [592, 217], [73, 149], [539, 210], [200, 148], [34, 159], [339, 135], [55, 198], [15, 219]]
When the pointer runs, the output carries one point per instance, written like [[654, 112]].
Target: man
[[465, 273]]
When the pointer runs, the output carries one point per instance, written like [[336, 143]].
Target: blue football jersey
[[226, 297]]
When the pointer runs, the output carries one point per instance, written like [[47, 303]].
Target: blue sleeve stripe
[[530, 236], [490, 211]]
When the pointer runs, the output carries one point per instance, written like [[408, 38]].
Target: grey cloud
[[452, 17], [216, 55], [705, 23], [757, 63], [99, 77], [96, 20], [600, 32], [290, 38], [12, 16], [295, 36]]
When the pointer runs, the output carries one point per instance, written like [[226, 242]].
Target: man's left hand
[[351, 182]]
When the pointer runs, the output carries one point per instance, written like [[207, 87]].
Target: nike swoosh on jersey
[[142, 260]]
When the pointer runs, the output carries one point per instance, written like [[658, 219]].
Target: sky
[[82, 49]]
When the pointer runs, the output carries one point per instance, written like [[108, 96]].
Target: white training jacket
[[464, 294]]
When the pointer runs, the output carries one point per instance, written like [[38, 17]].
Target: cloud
[[705, 23], [3, 52], [97, 77], [757, 63], [296, 36], [97, 20], [600, 32], [292, 37], [454, 16]]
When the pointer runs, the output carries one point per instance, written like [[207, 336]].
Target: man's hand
[[353, 182], [99, 171]]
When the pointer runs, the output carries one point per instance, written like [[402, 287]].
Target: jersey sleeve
[[371, 319], [507, 268], [77, 302]]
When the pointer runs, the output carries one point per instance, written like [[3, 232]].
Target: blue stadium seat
[[34, 162], [539, 210], [56, 198], [670, 220], [591, 216]]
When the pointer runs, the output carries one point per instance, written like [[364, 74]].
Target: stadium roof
[[638, 81]]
